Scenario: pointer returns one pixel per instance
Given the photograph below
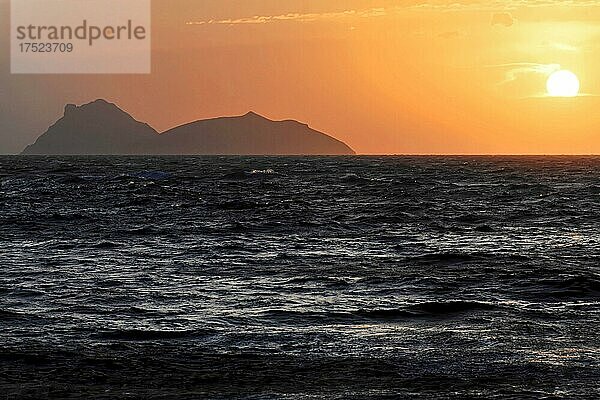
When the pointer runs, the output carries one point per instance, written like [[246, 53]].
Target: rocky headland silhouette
[[102, 128]]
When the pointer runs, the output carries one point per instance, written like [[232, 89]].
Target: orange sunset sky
[[385, 76]]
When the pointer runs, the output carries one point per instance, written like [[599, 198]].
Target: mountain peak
[[252, 114], [98, 127], [99, 101], [99, 104], [69, 108]]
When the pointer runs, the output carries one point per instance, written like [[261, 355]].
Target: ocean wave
[[150, 335], [267, 171], [238, 205], [435, 308], [251, 174], [312, 316], [323, 280], [421, 310], [469, 218], [353, 178], [140, 231], [574, 286], [105, 244], [484, 228], [460, 257], [12, 315]]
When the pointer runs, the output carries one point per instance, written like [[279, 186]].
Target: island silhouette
[[102, 128]]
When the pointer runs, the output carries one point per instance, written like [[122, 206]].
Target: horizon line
[[317, 155]]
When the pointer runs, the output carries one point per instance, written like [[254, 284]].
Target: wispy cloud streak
[[499, 5], [432, 5], [514, 70], [297, 17]]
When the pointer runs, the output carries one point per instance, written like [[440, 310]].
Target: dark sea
[[299, 278]]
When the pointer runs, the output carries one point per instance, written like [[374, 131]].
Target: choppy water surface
[[299, 277]]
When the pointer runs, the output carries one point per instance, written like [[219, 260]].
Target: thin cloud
[[523, 80], [497, 5], [514, 70], [296, 17], [503, 9]]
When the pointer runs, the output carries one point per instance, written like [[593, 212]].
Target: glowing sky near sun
[[385, 76]]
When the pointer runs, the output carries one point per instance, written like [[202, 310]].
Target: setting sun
[[563, 83]]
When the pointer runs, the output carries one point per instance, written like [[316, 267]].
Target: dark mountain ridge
[[102, 128]]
